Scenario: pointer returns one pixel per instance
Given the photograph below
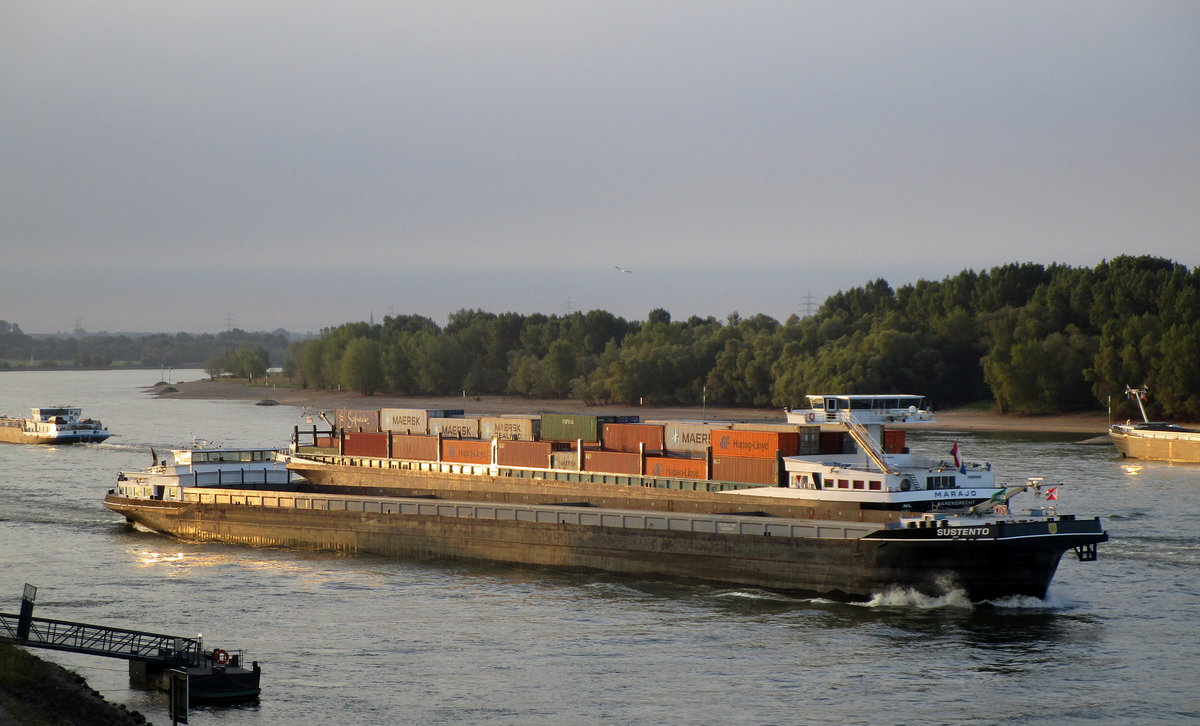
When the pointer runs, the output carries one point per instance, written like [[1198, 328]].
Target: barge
[[1154, 440], [846, 525]]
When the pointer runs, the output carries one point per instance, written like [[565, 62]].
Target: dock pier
[[216, 675]]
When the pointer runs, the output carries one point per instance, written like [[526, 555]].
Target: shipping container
[[676, 467], [565, 460], [627, 437], [415, 446], [467, 451], [406, 420], [749, 470], [510, 428], [614, 462], [461, 428], [572, 427], [758, 444], [833, 442], [534, 454], [366, 443], [689, 437], [894, 441], [356, 419]]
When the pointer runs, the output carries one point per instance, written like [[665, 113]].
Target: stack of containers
[[751, 456]]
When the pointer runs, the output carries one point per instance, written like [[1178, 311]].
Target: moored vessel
[[811, 535], [52, 425], [1154, 440]]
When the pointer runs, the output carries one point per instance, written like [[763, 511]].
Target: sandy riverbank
[[1093, 424]]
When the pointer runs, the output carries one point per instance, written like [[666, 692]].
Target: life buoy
[[812, 416], [905, 485], [220, 657]]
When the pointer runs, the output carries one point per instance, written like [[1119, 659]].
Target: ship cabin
[[205, 468], [56, 414], [867, 474], [865, 409]]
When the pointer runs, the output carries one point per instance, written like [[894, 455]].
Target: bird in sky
[[622, 269]]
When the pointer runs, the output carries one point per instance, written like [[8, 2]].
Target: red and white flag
[[1052, 493]]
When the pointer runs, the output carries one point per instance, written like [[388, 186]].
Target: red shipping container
[[677, 468], [361, 443], [534, 454], [756, 444], [614, 462], [894, 441], [627, 437], [466, 451], [749, 470], [414, 446]]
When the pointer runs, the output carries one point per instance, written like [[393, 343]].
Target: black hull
[[843, 560]]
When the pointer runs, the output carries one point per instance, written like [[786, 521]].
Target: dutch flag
[[958, 462]]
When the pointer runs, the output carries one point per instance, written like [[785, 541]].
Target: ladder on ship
[[134, 645], [867, 443]]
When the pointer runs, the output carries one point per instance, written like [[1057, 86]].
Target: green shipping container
[[571, 426]]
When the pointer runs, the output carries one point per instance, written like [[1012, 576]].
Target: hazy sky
[[181, 166]]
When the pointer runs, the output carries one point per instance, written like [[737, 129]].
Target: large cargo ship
[[851, 518], [52, 425]]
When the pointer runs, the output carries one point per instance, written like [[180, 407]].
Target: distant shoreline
[[1095, 424]]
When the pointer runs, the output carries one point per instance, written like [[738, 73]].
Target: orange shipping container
[[366, 444], [414, 446], [757, 444], [466, 451], [627, 437], [676, 467], [750, 470], [534, 454], [615, 462]]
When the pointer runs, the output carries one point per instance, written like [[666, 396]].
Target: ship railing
[[867, 442]]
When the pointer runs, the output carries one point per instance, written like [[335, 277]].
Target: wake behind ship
[[847, 519]]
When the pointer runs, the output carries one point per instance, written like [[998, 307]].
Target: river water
[[368, 640]]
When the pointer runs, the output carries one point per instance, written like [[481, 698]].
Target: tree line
[[234, 351], [1028, 337]]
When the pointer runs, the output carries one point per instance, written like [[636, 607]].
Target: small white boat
[[52, 425], [204, 467]]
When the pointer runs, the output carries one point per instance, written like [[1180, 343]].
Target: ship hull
[[13, 435], [842, 560], [1157, 447]]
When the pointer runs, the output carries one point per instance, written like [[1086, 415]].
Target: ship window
[[940, 482], [859, 484], [875, 485], [843, 483]]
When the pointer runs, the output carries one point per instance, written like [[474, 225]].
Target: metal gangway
[[133, 645]]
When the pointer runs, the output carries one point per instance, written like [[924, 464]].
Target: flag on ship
[[1052, 493], [958, 462]]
